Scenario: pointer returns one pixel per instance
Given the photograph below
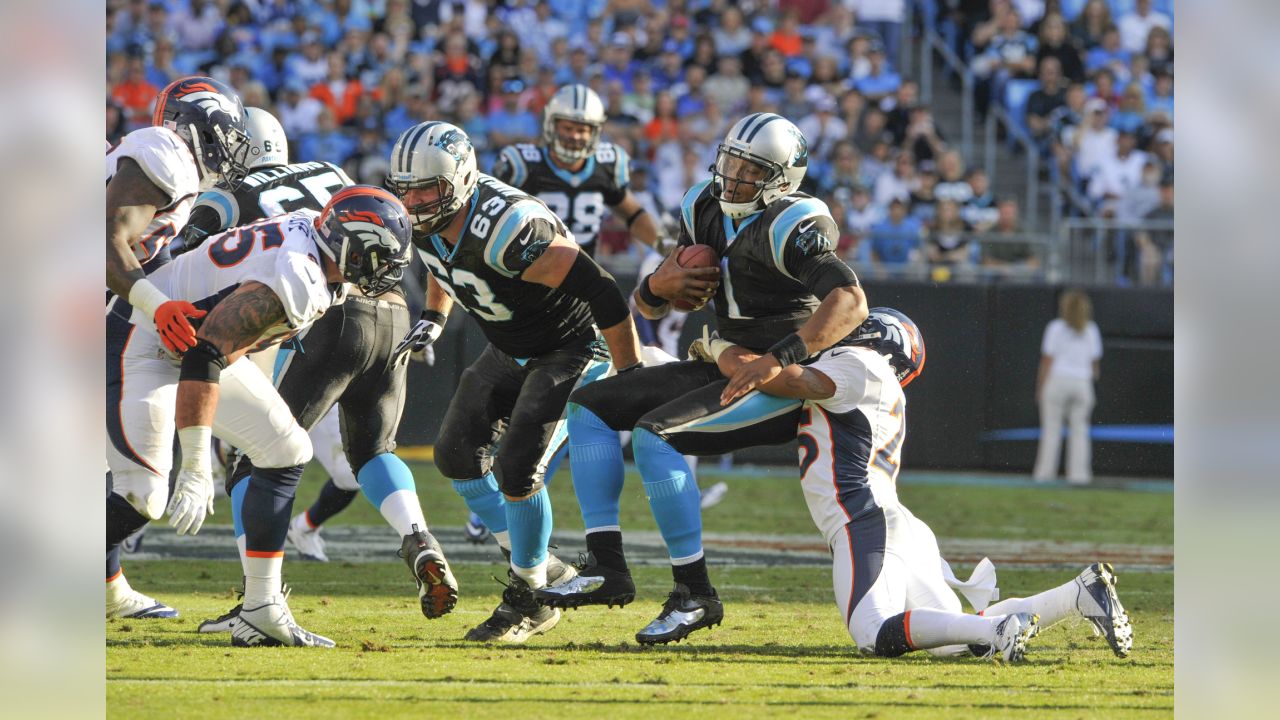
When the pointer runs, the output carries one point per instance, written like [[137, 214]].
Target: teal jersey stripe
[[504, 234], [224, 205], [622, 168], [787, 221], [519, 171], [686, 205]]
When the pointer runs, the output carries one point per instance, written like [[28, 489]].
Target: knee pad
[[891, 640], [147, 492], [516, 482], [285, 451], [456, 462]]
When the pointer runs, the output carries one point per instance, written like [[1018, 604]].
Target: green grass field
[[782, 648]]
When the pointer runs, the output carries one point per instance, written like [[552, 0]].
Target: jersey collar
[[574, 179], [442, 250], [730, 234]]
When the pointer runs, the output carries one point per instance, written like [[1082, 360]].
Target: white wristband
[[146, 297], [195, 442], [718, 347]]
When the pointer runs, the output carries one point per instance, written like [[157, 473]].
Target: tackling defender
[[198, 138], [514, 267], [886, 569], [781, 291], [260, 284]]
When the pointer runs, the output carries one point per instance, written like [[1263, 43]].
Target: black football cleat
[[682, 614], [594, 584], [517, 618]]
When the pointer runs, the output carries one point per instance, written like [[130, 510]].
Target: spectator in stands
[[898, 109], [1104, 88], [1117, 174], [753, 57], [1050, 96], [1161, 97], [197, 25], [895, 241], [504, 62], [846, 169], [474, 123], [310, 66], [861, 216], [1006, 250], [664, 126], [1162, 147], [733, 37], [897, 184], [1137, 201], [923, 141], [1155, 247], [857, 64], [923, 201], [691, 93], [704, 53], [728, 86], [980, 210], [135, 94], [950, 241], [952, 183], [160, 69], [884, 18], [823, 128], [669, 72], [327, 141], [548, 30], [456, 74], [339, 92], [1136, 25], [1069, 365], [1091, 24], [1133, 111], [1159, 51], [511, 123], [881, 81], [1094, 141], [786, 37], [1010, 53], [880, 161], [1056, 43]]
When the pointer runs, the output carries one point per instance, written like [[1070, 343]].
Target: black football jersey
[[504, 232], [263, 194], [579, 199], [769, 264]]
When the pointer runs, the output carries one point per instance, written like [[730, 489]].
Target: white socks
[[928, 628], [535, 576], [262, 578], [117, 588], [1051, 605], [402, 511]]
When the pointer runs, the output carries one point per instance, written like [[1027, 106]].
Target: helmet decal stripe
[[406, 150], [747, 124], [757, 128]]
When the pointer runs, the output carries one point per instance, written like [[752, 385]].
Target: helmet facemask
[[223, 153], [429, 217], [739, 180], [570, 148]]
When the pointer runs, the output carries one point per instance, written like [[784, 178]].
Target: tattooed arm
[[794, 381], [234, 326], [132, 201]]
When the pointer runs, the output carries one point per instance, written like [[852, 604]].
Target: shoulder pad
[[520, 236], [807, 223], [690, 199]]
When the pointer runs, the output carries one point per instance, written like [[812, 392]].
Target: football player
[[153, 175], [886, 569], [781, 291], [574, 173], [541, 302], [260, 284]]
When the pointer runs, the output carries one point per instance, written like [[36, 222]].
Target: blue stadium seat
[[1016, 94], [1071, 9]]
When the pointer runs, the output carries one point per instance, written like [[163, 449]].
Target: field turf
[[782, 648]]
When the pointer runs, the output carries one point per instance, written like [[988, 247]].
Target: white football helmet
[[268, 146], [769, 141], [433, 154], [579, 104]]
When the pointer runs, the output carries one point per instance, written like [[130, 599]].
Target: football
[[695, 256]]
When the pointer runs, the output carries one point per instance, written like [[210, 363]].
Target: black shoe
[[517, 618], [594, 584], [683, 613], [437, 588]]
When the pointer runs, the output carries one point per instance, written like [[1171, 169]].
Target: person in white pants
[[1069, 363]]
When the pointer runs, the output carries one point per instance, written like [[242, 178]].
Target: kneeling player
[[886, 568]]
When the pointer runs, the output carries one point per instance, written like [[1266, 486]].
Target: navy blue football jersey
[[579, 199], [771, 263], [504, 232]]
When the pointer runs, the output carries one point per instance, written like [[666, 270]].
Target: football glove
[[708, 347], [192, 500], [420, 337]]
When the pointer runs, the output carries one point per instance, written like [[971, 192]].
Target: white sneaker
[[1012, 635], [306, 539], [133, 604], [272, 625], [714, 494], [1100, 605]]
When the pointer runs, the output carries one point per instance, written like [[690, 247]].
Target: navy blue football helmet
[[209, 116], [366, 231], [896, 336]]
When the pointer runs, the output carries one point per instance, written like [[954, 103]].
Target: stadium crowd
[[345, 77]]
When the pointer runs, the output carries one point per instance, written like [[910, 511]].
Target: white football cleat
[[1100, 605], [1012, 634], [306, 539], [272, 625], [133, 604], [713, 495]]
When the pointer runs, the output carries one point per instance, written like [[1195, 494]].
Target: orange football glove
[[176, 331]]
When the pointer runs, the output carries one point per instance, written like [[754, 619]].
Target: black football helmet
[[209, 116], [895, 336], [366, 231]]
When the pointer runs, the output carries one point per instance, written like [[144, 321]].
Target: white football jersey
[[851, 443], [168, 163], [280, 252]]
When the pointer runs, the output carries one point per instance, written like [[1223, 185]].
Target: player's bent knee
[[516, 480], [289, 449], [891, 639], [147, 492], [453, 463]]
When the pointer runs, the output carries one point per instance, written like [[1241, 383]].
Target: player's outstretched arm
[[564, 266], [641, 225], [794, 381], [430, 326], [132, 201]]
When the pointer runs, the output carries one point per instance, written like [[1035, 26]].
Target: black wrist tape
[[647, 295], [634, 216], [203, 363], [434, 316], [789, 350]]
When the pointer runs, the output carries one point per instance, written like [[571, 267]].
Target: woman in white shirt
[[1069, 358]]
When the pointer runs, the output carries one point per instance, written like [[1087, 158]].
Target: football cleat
[[518, 618], [476, 531], [272, 625], [133, 543], [226, 622], [713, 495], [1012, 634], [307, 539], [133, 604], [1100, 605], [437, 588], [593, 584], [683, 613]]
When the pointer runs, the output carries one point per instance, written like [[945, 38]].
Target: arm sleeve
[[846, 369], [621, 177]]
